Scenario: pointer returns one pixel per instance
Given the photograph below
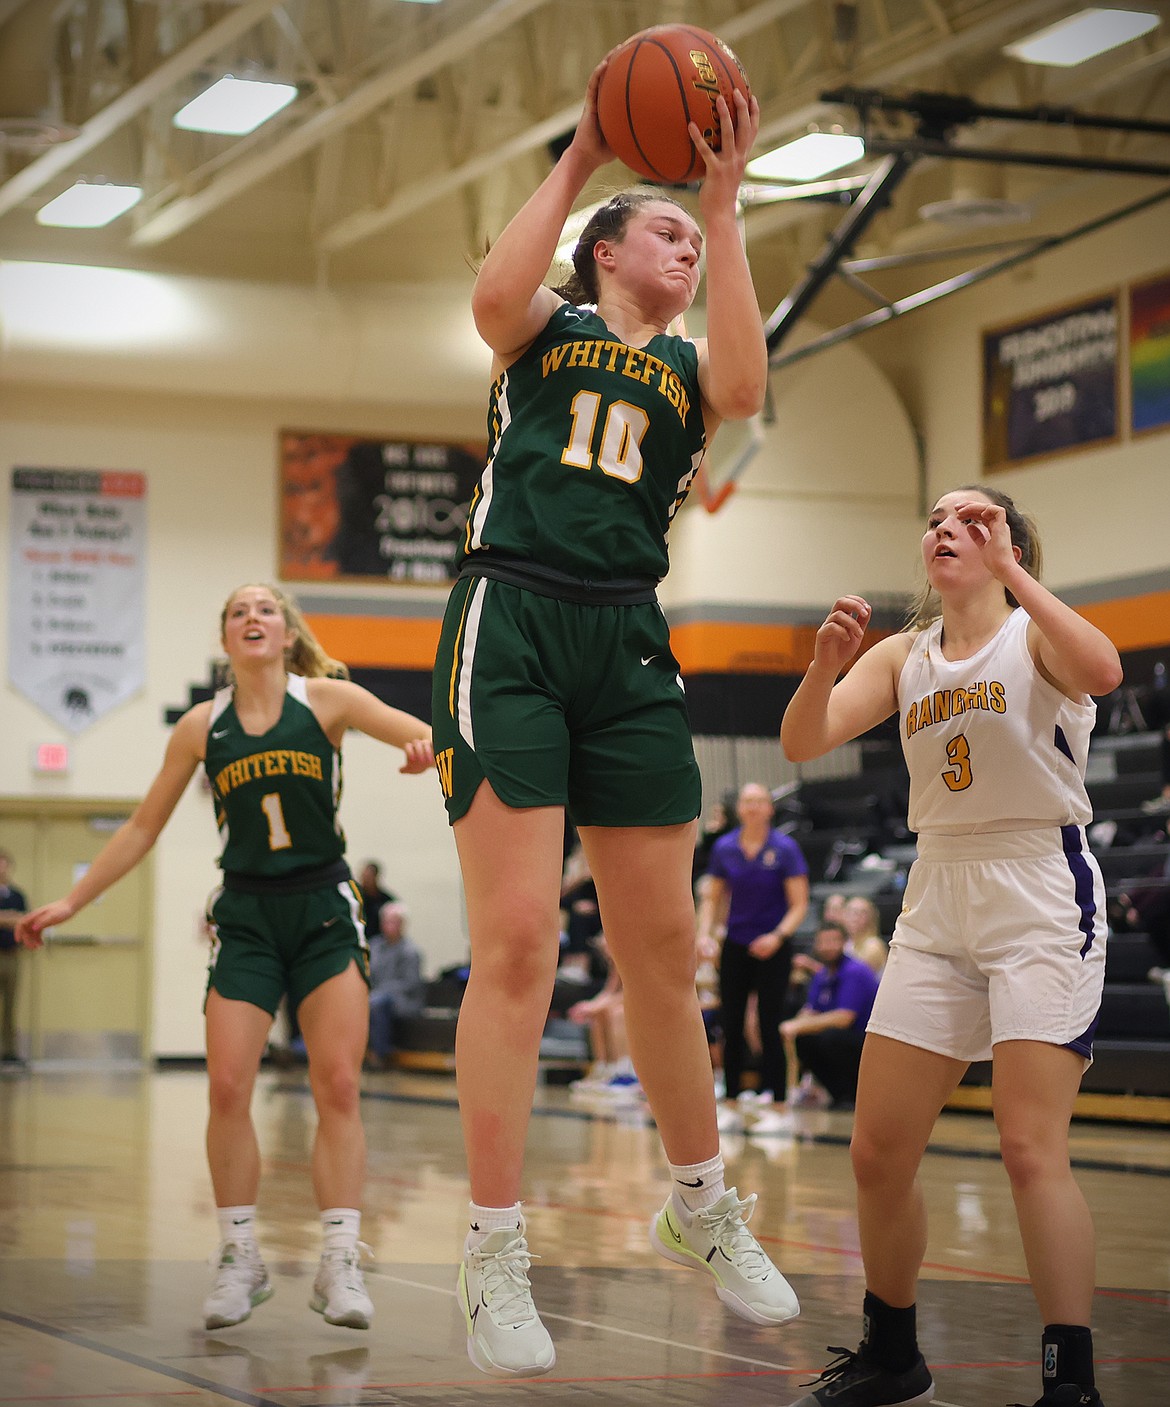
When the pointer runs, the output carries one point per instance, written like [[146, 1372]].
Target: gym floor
[[107, 1223]]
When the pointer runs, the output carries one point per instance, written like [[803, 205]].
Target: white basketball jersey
[[990, 744]]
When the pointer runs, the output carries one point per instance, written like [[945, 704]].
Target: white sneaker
[[339, 1289], [771, 1121], [717, 1240], [504, 1334], [729, 1120], [598, 1077], [241, 1283]]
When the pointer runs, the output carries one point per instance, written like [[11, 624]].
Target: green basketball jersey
[[276, 795], [593, 446]]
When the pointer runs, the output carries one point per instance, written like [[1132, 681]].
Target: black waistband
[[298, 882], [547, 581]]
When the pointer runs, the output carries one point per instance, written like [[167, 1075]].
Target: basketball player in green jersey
[[287, 920], [555, 688]]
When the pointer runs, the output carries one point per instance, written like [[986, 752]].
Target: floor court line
[[605, 1328], [150, 1365]]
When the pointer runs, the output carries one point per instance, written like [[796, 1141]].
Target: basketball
[[655, 84]]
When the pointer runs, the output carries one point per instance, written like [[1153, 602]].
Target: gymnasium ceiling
[[419, 127]]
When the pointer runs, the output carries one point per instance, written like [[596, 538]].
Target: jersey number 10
[[620, 454]]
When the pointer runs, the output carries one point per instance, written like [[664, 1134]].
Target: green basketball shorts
[[266, 945], [560, 704]]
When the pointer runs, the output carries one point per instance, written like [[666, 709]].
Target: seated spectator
[[373, 895], [612, 1072], [580, 923], [829, 1029], [862, 923], [397, 989]]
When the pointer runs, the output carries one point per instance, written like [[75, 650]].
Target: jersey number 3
[[620, 454], [959, 756]]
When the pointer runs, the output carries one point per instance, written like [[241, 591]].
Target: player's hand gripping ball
[[654, 85]]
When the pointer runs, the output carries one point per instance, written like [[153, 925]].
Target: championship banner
[[76, 634], [1050, 384], [373, 510]]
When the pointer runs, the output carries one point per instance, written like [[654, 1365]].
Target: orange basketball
[[655, 84]]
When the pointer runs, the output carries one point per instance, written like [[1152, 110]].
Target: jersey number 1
[[278, 836], [620, 454]]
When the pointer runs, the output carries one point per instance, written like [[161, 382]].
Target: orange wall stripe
[[704, 647], [726, 648], [1135, 623], [379, 642]]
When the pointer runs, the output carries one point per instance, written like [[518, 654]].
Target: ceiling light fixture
[[234, 106], [807, 158], [1082, 36], [89, 206]]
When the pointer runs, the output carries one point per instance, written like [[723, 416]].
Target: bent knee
[[1028, 1159], [337, 1089]]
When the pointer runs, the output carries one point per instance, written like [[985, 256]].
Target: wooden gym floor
[[106, 1225]]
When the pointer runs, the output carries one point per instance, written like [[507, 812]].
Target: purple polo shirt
[[758, 900], [853, 986]]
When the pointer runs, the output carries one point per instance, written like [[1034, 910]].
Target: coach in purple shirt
[[830, 1028], [757, 882]]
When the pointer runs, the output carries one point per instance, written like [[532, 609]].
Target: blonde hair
[[926, 607], [305, 655], [873, 918]]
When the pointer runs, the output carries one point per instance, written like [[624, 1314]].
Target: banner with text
[[1051, 384], [76, 612], [375, 510]]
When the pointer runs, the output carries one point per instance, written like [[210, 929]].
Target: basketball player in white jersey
[[999, 951]]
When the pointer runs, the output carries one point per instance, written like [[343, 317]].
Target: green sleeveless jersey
[[592, 449], [276, 795]]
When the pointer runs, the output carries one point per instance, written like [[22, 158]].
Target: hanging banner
[[1149, 354], [373, 510], [76, 635], [1050, 384]]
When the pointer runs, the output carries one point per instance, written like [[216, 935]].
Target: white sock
[[485, 1220], [697, 1185], [340, 1227], [237, 1224]]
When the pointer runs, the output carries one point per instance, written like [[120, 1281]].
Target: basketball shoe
[[858, 1380], [504, 1334], [339, 1289], [241, 1283], [717, 1240]]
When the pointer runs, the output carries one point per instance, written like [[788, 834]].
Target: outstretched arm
[[733, 360], [510, 303], [340, 704], [823, 713], [131, 841]]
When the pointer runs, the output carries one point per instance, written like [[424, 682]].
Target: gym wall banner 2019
[[361, 509], [76, 623], [1051, 384]]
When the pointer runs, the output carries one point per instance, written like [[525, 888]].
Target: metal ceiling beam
[[363, 223], [981, 35], [39, 173], [181, 213], [901, 306], [366, 222]]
